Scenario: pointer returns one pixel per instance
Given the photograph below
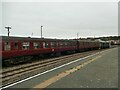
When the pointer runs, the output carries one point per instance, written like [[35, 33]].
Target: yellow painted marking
[[63, 74]]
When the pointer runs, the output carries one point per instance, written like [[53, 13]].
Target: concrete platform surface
[[102, 73]]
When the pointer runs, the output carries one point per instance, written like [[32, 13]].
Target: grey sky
[[60, 20]]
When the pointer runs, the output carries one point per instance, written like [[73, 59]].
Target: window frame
[[16, 48], [38, 46], [45, 44], [7, 48], [28, 46]]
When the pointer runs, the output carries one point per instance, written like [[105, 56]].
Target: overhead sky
[[60, 19]]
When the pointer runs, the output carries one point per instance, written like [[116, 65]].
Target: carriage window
[[61, 44], [16, 45], [66, 43], [57, 44], [36, 45], [7, 46], [45, 45], [71, 44], [53, 44], [25, 45]]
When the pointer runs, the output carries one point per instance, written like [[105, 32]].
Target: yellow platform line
[[63, 74]]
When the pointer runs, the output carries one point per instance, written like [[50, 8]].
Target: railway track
[[23, 71]]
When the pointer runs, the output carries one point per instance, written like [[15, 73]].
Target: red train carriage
[[19, 49], [13, 47], [84, 45]]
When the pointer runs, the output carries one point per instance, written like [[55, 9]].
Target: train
[[15, 50]]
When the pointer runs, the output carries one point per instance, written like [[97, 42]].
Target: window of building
[[36, 45], [7, 46], [25, 45]]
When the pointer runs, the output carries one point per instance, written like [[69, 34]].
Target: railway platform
[[98, 71], [102, 73]]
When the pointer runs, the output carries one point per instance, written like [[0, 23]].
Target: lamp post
[[41, 31], [77, 35], [8, 28]]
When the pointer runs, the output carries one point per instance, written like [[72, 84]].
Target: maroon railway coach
[[22, 49], [14, 47], [84, 45]]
